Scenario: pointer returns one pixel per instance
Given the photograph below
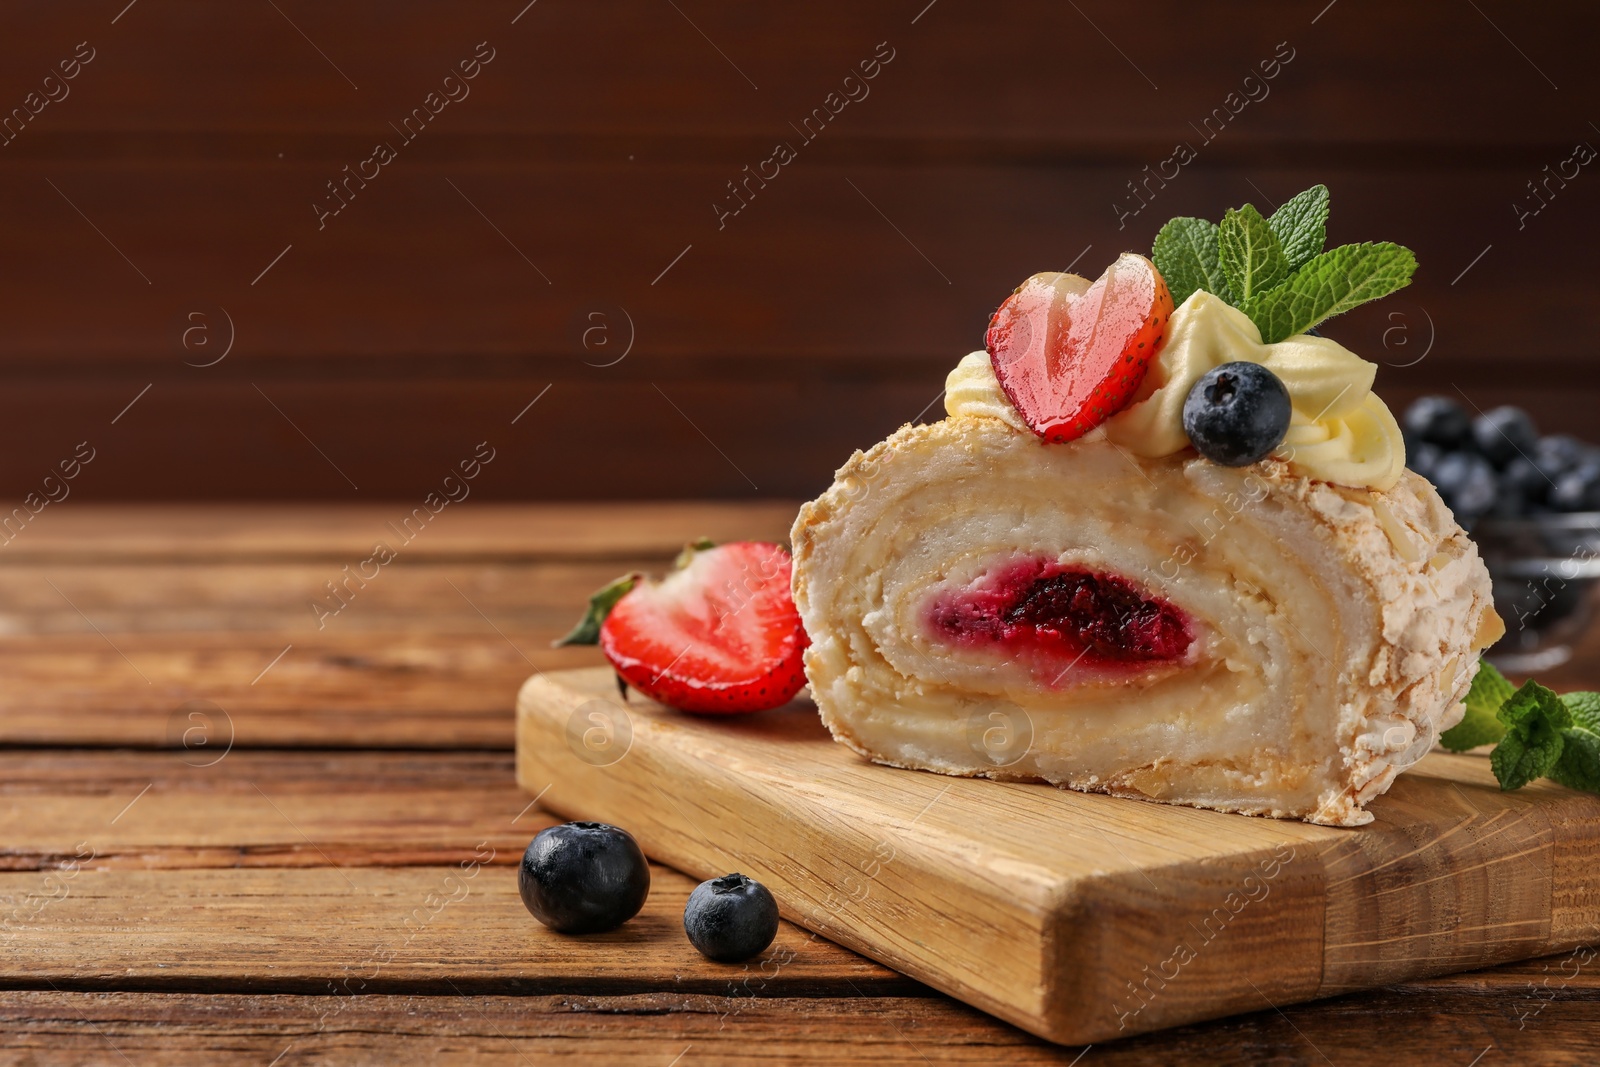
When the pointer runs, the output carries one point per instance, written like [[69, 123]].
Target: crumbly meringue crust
[[1343, 625]]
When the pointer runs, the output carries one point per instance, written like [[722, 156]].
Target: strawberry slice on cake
[[1174, 550]]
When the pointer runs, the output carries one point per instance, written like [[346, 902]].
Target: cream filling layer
[[1251, 724]]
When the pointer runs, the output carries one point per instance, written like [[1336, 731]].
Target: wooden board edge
[[1187, 942], [1076, 992], [1574, 887], [1473, 881], [869, 878], [1077, 1008]]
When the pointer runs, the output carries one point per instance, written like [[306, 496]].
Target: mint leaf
[[1251, 257], [587, 632], [1541, 735], [1185, 252], [1517, 762], [1480, 726], [1301, 225], [1474, 729], [1535, 718], [1329, 285], [1534, 706], [1579, 765], [1489, 689], [1585, 708]]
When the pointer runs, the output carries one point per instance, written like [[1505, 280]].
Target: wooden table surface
[[239, 828]]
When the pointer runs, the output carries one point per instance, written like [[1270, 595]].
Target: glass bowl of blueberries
[[1532, 504]]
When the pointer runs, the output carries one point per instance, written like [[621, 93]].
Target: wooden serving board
[[1079, 918]]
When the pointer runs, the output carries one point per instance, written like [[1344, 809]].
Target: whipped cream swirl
[[1340, 431]]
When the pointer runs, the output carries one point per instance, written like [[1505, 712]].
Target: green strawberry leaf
[[1251, 257], [1579, 765], [1585, 708], [1480, 726], [1328, 285], [1535, 719], [686, 557], [1301, 225], [1185, 252], [587, 631]]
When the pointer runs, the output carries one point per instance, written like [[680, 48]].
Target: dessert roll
[[1164, 545], [983, 603]]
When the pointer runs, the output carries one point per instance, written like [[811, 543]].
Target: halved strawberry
[[719, 635], [1070, 354]]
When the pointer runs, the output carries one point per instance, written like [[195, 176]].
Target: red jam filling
[[1040, 607]]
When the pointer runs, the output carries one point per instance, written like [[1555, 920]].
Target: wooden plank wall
[[170, 198]]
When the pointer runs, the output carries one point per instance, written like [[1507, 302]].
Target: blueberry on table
[[1437, 420], [730, 918], [1502, 434], [583, 877], [1467, 483], [1237, 413]]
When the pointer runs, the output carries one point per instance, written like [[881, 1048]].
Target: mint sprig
[[1585, 708], [1330, 284], [1187, 255], [1534, 718], [1479, 726], [1251, 254], [1274, 269], [1301, 225], [1539, 734], [1578, 766]]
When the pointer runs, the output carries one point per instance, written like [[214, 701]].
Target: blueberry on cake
[[1164, 545]]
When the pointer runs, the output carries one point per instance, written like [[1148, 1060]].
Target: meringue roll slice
[[980, 602]]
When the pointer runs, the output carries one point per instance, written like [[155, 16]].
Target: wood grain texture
[[356, 314], [207, 806], [1427, 1028], [1463, 877], [633, 68], [332, 929], [344, 533], [728, 437], [232, 876], [113, 620], [306, 872], [457, 285], [539, 601], [373, 690], [1079, 918], [95, 600]]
